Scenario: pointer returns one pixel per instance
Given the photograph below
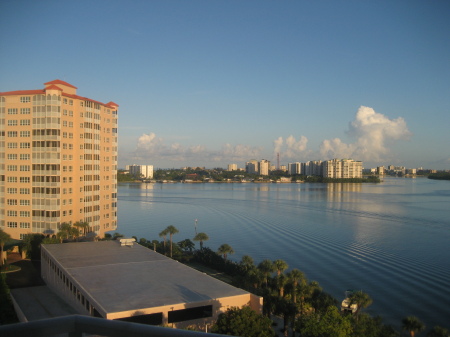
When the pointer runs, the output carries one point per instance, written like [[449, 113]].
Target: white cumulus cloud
[[374, 134], [291, 147], [151, 148]]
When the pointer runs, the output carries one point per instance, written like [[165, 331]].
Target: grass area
[[211, 272]]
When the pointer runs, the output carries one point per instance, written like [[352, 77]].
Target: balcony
[[78, 326]]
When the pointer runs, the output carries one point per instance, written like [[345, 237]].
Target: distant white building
[[343, 168], [264, 166], [312, 168], [144, 171], [294, 168], [252, 166], [232, 167]]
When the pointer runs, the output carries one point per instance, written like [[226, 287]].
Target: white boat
[[345, 305]]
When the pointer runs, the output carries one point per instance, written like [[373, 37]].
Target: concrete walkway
[[31, 297], [39, 303]]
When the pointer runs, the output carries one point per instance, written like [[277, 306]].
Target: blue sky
[[208, 83]]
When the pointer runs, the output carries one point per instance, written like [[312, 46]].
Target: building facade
[[232, 167], [264, 167], [145, 171], [58, 161], [342, 168]]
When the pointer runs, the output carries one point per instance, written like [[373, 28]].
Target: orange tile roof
[[60, 82], [22, 92], [53, 87]]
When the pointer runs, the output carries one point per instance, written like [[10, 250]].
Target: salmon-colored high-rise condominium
[[58, 161]]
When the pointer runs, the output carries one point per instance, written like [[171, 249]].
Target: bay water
[[390, 240]]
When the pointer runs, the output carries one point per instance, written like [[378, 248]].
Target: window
[[12, 224], [24, 156], [25, 111], [24, 179], [12, 202], [12, 213], [12, 145], [24, 191], [25, 99], [25, 122], [12, 179], [12, 156], [12, 122], [11, 168], [24, 214], [25, 145], [11, 190], [12, 133], [25, 133], [24, 202], [24, 225], [24, 168], [12, 111]]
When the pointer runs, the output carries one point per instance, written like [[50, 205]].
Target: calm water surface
[[392, 240]]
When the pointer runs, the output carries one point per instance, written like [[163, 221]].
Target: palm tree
[[438, 331], [82, 227], [163, 235], [281, 266], [186, 245], [247, 262], [267, 268], [281, 281], [171, 230], [201, 237], [413, 325], [361, 299], [224, 250], [67, 231], [295, 276], [4, 238]]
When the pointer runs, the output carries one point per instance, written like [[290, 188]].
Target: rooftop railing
[[77, 326]]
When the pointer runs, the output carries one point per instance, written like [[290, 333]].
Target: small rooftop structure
[[126, 281]]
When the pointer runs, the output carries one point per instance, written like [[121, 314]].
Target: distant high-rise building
[[344, 168], [58, 161], [232, 167], [252, 166], [264, 166], [141, 171], [312, 168], [294, 168]]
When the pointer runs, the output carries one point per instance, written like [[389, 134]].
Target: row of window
[[15, 111], [22, 179], [23, 156], [16, 133], [14, 122], [13, 202], [64, 279], [21, 213], [14, 190], [25, 145], [13, 224], [22, 168]]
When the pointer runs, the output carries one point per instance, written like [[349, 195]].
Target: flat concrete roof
[[122, 278]]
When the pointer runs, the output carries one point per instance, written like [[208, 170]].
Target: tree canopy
[[243, 322]]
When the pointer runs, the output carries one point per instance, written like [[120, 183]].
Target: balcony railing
[[77, 326]]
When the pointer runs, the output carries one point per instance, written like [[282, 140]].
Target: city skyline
[[212, 83]]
